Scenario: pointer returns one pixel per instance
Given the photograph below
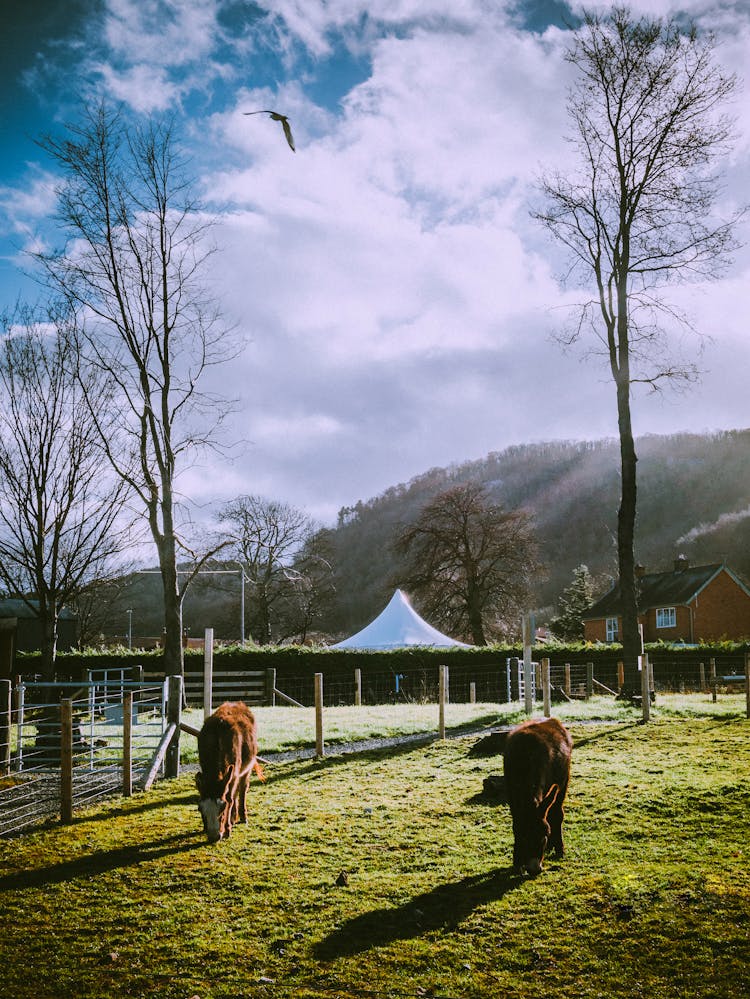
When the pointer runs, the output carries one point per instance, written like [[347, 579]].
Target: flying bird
[[284, 124]]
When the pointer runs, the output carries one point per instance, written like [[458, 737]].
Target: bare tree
[[469, 563], [63, 523], [648, 130], [266, 536], [310, 587], [133, 268]]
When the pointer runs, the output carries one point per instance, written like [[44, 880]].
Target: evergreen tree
[[574, 601]]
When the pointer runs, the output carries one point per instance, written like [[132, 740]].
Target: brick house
[[689, 604]]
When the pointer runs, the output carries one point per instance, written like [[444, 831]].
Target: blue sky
[[395, 301]]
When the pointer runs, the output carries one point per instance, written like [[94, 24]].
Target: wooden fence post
[[514, 667], [620, 676], [528, 700], [127, 744], [66, 761], [645, 689], [6, 709], [702, 677], [546, 687], [712, 676], [358, 687], [208, 672], [589, 681], [270, 691], [174, 715], [319, 743], [442, 693], [472, 692], [567, 680]]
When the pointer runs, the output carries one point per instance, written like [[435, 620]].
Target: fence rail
[[64, 745]]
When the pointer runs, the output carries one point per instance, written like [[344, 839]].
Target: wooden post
[[270, 692], [66, 761], [513, 666], [127, 744], [620, 676], [712, 678], [174, 714], [472, 692], [442, 686], [5, 721], [319, 744], [589, 681], [358, 687], [645, 691], [702, 677], [546, 688], [566, 682], [208, 672], [747, 684]]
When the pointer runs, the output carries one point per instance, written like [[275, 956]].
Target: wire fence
[[34, 743]]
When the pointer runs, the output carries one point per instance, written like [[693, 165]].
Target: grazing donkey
[[228, 752], [537, 769]]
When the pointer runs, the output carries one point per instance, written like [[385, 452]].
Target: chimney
[[640, 571], [681, 563]]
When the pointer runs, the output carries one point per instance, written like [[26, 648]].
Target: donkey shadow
[[444, 907]]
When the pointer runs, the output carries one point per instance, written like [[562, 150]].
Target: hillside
[[694, 498]]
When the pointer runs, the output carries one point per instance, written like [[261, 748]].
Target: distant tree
[[648, 130], [469, 563], [310, 586], [63, 525], [266, 537], [133, 267], [573, 603]]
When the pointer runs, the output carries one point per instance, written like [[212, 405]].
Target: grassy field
[[284, 729], [389, 874]]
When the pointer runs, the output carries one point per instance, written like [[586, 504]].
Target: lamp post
[[242, 603]]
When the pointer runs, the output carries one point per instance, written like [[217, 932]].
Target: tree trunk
[[173, 655], [626, 538], [48, 622], [475, 624]]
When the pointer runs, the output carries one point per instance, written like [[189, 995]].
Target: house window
[[611, 625], [666, 617]]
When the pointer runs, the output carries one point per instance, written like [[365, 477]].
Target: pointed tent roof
[[397, 627]]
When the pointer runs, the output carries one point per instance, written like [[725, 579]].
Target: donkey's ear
[[548, 800]]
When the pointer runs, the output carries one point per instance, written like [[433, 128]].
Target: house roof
[[660, 589], [16, 607]]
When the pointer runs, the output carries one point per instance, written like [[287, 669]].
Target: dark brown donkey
[[537, 769], [228, 753]]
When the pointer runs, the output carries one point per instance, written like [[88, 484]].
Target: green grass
[[652, 899], [283, 728]]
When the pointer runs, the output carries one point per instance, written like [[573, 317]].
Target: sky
[[396, 303]]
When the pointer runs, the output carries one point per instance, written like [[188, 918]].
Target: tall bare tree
[[469, 562], [266, 538], [133, 267], [648, 129], [63, 523]]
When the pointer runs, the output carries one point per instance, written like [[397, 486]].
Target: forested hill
[[694, 498]]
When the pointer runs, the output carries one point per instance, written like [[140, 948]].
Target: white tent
[[397, 627]]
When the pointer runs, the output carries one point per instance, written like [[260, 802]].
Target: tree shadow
[[442, 908], [93, 864]]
